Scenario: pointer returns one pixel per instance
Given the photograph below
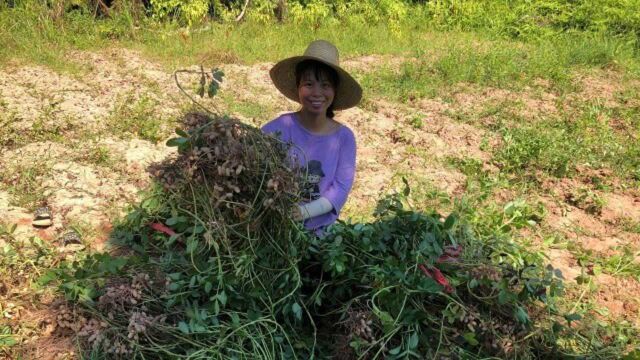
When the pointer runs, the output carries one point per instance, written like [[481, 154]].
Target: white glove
[[315, 208]]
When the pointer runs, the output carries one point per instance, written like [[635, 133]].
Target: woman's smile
[[315, 95]]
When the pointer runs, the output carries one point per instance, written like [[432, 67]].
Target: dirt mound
[[619, 297], [528, 103], [368, 63], [35, 93], [599, 86], [136, 156]]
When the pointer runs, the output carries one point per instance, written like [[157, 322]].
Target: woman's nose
[[316, 89]]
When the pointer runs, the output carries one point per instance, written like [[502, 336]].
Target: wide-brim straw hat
[[348, 93]]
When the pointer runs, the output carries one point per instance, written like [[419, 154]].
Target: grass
[[24, 182], [138, 117], [261, 113], [556, 146], [498, 63]]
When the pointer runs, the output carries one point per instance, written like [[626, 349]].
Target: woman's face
[[316, 95]]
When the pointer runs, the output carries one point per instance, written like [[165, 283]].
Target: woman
[[324, 146]]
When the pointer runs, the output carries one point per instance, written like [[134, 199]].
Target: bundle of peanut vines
[[216, 269]]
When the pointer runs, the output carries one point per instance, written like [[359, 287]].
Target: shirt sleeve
[[339, 189], [271, 127]]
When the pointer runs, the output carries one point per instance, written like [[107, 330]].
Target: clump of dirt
[[35, 92], [85, 194], [564, 261], [600, 86], [621, 206], [620, 296], [528, 104], [137, 155], [369, 63]]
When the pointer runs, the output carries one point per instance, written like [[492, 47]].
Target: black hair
[[318, 69]]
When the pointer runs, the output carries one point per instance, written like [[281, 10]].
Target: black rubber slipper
[[71, 241], [42, 217]]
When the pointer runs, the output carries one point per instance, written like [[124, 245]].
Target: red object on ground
[[435, 274], [162, 228], [451, 254]]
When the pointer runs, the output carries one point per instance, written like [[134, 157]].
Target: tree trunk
[[281, 11]]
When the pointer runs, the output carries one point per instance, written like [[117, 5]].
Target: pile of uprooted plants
[[210, 265]]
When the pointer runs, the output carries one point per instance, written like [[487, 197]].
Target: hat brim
[[348, 94]]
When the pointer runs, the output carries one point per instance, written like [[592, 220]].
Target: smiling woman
[[325, 147]]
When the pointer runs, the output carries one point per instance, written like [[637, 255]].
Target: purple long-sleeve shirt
[[330, 160]]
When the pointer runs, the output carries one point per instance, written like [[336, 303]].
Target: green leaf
[[192, 245], [429, 285], [182, 133], [413, 341], [386, 320], [175, 220], [179, 142], [521, 315], [297, 311], [395, 350], [253, 315], [222, 296], [217, 74], [212, 90], [235, 320], [216, 307], [47, 277], [572, 317], [183, 327], [470, 338], [7, 341], [173, 286], [450, 221], [207, 287]]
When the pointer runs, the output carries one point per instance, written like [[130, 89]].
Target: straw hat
[[348, 93]]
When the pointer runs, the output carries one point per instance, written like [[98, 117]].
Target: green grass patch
[[24, 182], [500, 63], [556, 146], [139, 118], [252, 110]]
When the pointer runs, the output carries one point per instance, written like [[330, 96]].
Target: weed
[[416, 122], [528, 148], [138, 118], [585, 199], [98, 155], [622, 263], [24, 182], [260, 113], [630, 225]]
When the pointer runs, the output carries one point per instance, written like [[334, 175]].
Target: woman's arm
[[341, 185]]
